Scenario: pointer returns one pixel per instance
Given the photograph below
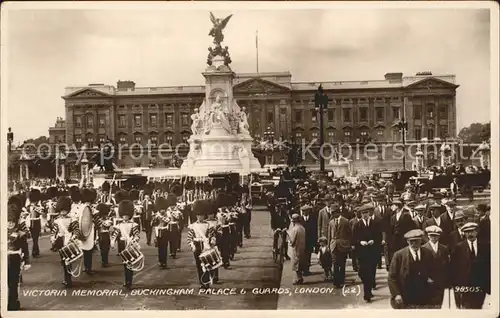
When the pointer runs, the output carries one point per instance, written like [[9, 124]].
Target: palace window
[[314, 135], [102, 139], [184, 119], [123, 139], [314, 115], [153, 120], [90, 141], [169, 139], [395, 113], [78, 121], [331, 114], [78, 140], [154, 140], [443, 112], [363, 114], [90, 121], [379, 114], [347, 136], [418, 132], [138, 139], [443, 131], [298, 116], [417, 112], [430, 133], [169, 119], [380, 134], [185, 138], [347, 115], [122, 121], [430, 111], [102, 121], [331, 136], [137, 120], [270, 118], [298, 135]]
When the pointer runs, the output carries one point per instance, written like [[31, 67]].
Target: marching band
[[83, 220]]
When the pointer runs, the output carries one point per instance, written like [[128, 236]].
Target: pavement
[[315, 293], [252, 270]]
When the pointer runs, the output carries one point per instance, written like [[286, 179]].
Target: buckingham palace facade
[[358, 111]]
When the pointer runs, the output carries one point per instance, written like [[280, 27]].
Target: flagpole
[[257, 48]]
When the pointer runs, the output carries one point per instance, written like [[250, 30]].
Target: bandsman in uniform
[[410, 274], [216, 229], [52, 194], [175, 219], [223, 217], [160, 224], [36, 212], [246, 202], [134, 197], [440, 266], [64, 231], [17, 252], [127, 232], [200, 236], [471, 270], [104, 233], [88, 197]]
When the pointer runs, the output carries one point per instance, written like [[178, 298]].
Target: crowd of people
[[427, 244]]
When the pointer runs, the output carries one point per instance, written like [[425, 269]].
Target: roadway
[[251, 268]]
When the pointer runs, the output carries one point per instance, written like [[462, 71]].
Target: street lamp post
[[321, 104], [10, 139], [403, 127], [269, 135]]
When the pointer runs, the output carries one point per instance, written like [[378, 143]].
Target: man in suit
[[448, 221], [297, 239], [353, 253], [420, 218], [366, 241], [435, 215], [471, 270], [440, 266], [454, 188], [400, 223], [339, 238], [310, 225], [410, 274], [456, 236], [484, 230], [325, 215]]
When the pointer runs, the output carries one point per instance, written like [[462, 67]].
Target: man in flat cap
[[367, 239], [448, 221], [410, 274], [470, 270], [440, 265], [456, 236], [484, 230], [297, 239], [419, 217], [435, 210]]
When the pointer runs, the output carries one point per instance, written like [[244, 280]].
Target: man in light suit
[[325, 215], [410, 274], [440, 266], [297, 239], [339, 237]]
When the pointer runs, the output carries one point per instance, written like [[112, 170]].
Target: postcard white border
[[254, 5]]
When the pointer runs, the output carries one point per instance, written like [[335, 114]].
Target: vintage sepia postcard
[[274, 156]]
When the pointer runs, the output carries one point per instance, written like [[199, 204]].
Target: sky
[[49, 50]]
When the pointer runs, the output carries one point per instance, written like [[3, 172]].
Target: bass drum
[[86, 221]]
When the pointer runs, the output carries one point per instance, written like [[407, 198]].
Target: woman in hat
[[127, 233]]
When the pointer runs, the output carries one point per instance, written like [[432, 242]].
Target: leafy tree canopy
[[475, 133]]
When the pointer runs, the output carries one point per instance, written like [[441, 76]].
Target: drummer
[[63, 232], [201, 237], [216, 227], [103, 237], [127, 233], [88, 197]]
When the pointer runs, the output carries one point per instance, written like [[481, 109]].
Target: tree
[[475, 133], [37, 141]]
